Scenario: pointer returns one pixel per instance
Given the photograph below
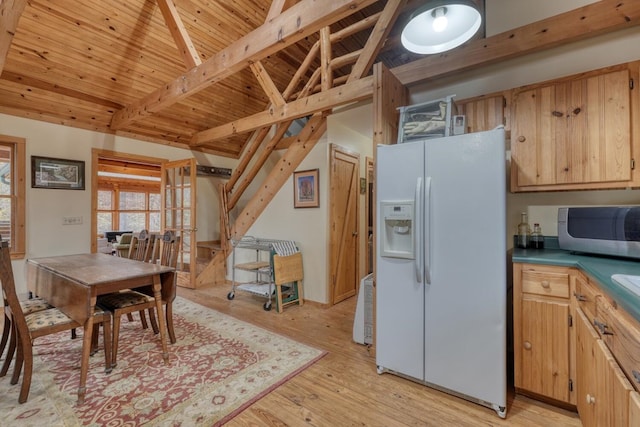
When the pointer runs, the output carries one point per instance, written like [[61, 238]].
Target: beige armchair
[[121, 246]]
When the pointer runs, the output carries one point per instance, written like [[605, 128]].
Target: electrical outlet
[[71, 220]]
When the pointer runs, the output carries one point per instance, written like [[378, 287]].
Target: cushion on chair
[[124, 299], [46, 318], [34, 304]]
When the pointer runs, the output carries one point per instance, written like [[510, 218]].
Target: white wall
[[45, 208], [503, 15]]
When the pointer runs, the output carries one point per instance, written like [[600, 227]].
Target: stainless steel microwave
[[608, 230]]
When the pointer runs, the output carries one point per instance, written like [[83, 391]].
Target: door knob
[[527, 345]]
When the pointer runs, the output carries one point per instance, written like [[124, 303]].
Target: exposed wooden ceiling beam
[[179, 33], [10, 12], [376, 39], [326, 100], [597, 18], [297, 22], [267, 84]]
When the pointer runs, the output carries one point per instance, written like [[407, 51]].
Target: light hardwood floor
[[343, 388]]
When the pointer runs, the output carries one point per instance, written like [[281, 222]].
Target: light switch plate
[[71, 220]]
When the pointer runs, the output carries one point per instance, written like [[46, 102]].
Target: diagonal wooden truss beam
[[292, 25], [10, 12], [306, 140], [377, 38], [267, 84], [179, 33]]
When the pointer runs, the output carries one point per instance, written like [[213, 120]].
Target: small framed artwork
[[306, 189], [47, 172]]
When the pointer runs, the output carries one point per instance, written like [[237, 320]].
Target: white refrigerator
[[441, 286]]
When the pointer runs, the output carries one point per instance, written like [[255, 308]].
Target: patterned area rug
[[219, 366]]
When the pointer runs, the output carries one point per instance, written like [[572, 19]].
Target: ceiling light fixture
[[439, 26]]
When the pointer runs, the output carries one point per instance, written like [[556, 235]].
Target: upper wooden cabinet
[[572, 134], [484, 113]]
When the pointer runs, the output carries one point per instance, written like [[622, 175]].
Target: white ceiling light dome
[[439, 26]]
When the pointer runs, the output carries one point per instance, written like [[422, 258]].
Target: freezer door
[[399, 295], [465, 304]]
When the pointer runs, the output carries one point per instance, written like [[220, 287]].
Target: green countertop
[[599, 268]]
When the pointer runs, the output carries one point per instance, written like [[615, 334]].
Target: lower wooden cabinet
[[541, 318], [574, 345], [602, 389]]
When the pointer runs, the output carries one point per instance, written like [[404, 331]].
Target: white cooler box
[[363, 321]]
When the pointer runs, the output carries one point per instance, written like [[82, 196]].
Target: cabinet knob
[[545, 284], [590, 399], [521, 138], [527, 345]]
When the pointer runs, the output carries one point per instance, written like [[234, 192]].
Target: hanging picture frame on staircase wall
[[306, 189]]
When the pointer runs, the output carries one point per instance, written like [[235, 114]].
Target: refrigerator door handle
[[427, 231], [417, 237]]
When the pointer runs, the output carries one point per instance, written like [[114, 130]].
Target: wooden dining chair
[[166, 251], [24, 329], [140, 250], [28, 306], [141, 246], [130, 301]]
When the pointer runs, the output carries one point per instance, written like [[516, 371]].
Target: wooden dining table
[[72, 283]]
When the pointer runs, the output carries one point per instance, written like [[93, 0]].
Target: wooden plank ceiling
[[179, 72]]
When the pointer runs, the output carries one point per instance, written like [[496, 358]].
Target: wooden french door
[[343, 235], [178, 197]]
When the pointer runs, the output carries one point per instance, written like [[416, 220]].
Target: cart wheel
[[231, 296], [267, 306]]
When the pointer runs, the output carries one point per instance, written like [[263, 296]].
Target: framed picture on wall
[[305, 189], [47, 172]]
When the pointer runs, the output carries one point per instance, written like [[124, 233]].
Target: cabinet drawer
[[546, 283], [586, 296], [622, 336]]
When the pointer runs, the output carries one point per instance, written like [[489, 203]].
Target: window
[[12, 193], [126, 209]]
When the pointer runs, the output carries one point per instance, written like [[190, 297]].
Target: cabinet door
[[544, 356], [533, 134], [590, 370], [573, 133], [603, 390], [634, 408], [483, 114]]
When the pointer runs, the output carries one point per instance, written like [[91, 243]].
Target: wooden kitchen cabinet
[[484, 113], [602, 389], [634, 408], [541, 320], [572, 134]]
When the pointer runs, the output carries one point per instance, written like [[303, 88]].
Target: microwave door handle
[[417, 234], [427, 231]]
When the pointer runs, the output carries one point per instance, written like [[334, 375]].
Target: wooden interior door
[[343, 216], [179, 214]]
